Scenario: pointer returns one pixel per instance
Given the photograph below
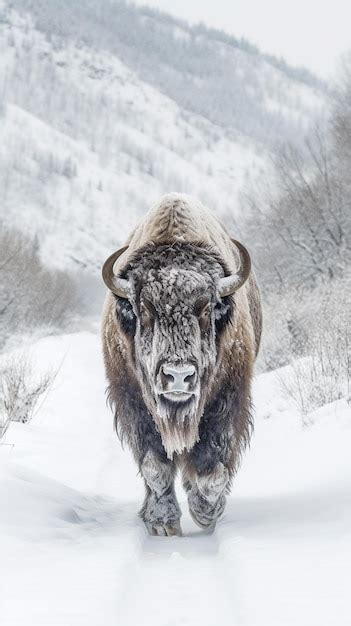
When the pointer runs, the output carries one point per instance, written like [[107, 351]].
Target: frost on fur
[[179, 351]]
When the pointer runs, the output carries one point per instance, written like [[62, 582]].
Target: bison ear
[[230, 284], [119, 286]]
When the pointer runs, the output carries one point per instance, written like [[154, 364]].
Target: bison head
[[172, 304]]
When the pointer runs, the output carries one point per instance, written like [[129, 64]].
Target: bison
[[181, 330]]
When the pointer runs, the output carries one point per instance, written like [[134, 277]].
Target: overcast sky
[[313, 33]]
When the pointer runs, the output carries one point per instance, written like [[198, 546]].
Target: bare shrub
[[31, 295], [285, 329], [4, 418], [21, 389], [313, 381], [324, 375]]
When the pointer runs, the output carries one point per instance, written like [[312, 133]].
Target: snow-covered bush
[[31, 295], [21, 389], [284, 329], [324, 337], [314, 381]]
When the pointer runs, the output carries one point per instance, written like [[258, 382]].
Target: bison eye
[[125, 314], [202, 310], [223, 313], [148, 313]]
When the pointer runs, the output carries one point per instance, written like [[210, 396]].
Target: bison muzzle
[[181, 330]]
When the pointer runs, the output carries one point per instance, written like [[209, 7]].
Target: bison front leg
[[206, 495], [160, 511]]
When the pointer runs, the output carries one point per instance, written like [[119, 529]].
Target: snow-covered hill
[[90, 137], [73, 550]]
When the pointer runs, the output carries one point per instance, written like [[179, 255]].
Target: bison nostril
[[166, 378], [177, 377], [190, 378]]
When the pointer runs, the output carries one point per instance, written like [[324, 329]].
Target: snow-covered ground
[[73, 551]]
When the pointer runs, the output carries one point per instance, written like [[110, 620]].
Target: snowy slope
[[88, 142], [74, 552], [86, 147]]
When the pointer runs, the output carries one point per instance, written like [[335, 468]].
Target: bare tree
[[300, 231], [306, 220]]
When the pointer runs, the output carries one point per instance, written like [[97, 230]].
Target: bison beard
[[178, 424]]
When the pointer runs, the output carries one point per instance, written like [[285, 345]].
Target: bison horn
[[230, 284], [119, 286]]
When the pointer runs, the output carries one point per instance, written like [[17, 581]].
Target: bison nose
[[176, 378]]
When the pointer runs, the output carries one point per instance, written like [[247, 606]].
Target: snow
[[125, 142], [73, 550], [128, 145]]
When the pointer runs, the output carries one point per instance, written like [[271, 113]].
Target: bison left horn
[[230, 284], [119, 286]]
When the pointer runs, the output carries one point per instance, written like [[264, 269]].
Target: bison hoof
[[201, 522], [161, 515], [205, 513], [165, 530]]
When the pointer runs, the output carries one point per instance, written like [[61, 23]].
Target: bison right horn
[[119, 286], [230, 284]]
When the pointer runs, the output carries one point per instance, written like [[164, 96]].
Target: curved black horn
[[119, 286], [230, 284]]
